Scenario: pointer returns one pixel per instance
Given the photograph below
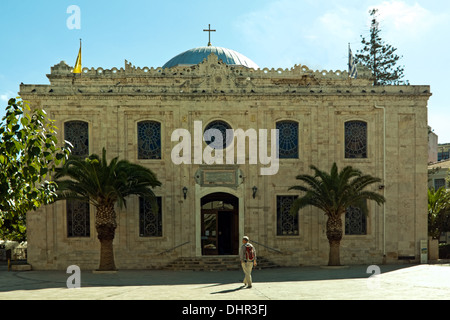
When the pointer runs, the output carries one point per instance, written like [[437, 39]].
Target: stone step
[[215, 263], [21, 267]]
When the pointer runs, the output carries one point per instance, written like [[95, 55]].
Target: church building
[[161, 117]]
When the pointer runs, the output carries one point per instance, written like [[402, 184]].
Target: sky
[[37, 34]]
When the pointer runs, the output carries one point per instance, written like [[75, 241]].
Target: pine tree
[[380, 57]]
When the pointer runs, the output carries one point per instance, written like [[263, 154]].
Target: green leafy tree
[[438, 211], [333, 193], [28, 156], [102, 184], [379, 57]]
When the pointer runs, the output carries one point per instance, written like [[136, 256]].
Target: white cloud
[[338, 25], [273, 26], [6, 95], [316, 33], [408, 21], [287, 31]]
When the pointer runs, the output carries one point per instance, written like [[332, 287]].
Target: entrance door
[[220, 227]]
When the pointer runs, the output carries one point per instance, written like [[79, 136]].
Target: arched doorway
[[220, 224]]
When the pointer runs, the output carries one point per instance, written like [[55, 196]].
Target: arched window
[[288, 139], [77, 213], [211, 140], [149, 140], [150, 222], [356, 140], [355, 221], [78, 219], [287, 224], [77, 133]]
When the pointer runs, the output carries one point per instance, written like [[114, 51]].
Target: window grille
[[78, 219], [288, 139], [77, 133], [150, 224], [149, 140], [287, 223], [355, 140]]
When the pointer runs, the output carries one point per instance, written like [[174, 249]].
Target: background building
[[432, 146], [439, 175], [444, 152]]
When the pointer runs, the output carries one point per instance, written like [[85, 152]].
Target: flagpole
[[349, 57], [352, 68], [81, 73]]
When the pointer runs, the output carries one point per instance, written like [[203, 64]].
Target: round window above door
[[215, 135]]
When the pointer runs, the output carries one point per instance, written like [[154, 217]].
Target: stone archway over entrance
[[219, 224]]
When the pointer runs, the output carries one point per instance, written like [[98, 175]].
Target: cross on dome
[[209, 32]]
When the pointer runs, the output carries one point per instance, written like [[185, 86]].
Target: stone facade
[[114, 101]]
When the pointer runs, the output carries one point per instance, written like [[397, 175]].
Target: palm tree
[[333, 193], [103, 185]]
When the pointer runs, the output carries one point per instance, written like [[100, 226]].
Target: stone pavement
[[396, 282]]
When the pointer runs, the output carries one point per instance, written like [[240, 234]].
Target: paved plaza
[[395, 282]]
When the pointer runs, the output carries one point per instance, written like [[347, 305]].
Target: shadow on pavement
[[33, 280], [229, 291]]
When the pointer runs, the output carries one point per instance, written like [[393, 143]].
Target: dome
[[197, 55]]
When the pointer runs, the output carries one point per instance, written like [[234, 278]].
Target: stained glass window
[[355, 140], [77, 133], [150, 224], [355, 221], [78, 219], [287, 223], [288, 139], [213, 141], [149, 140]]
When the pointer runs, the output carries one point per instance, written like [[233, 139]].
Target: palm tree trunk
[[334, 235], [106, 225]]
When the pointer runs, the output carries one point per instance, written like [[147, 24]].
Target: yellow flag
[[77, 68]]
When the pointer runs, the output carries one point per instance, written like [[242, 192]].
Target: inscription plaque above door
[[219, 176]]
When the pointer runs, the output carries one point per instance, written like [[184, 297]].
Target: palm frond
[[102, 182], [334, 192]]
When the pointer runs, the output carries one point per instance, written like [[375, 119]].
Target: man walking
[[247, 254]]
